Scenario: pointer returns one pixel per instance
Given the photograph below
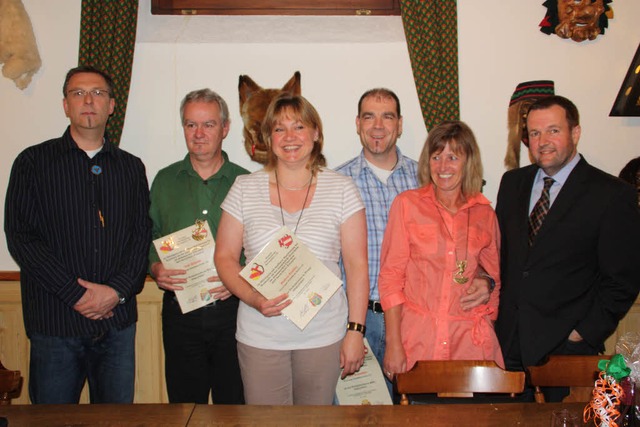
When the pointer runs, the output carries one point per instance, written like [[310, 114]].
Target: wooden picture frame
[[627, 102], [275, 7]]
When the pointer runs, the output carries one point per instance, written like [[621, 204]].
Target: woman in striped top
[[280, 363]]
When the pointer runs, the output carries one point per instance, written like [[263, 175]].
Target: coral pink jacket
[[418, 263]]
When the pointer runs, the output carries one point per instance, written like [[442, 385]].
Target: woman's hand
[[352, 353], [395, 360], [270, 307], [221, 292]]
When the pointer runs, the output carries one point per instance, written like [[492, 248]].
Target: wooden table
[[459, 415], [475, 415], [159, 415]]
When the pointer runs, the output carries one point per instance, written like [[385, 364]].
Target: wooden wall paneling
[[150, 384], [14, 345], [150, 380], [630, 323]]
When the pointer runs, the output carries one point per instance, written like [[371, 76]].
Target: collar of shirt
[[224, 171], [361, 163], [69, 144], [382, 174], [429, 192], [560, 178]]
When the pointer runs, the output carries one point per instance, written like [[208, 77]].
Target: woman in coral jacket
[[438, 238]]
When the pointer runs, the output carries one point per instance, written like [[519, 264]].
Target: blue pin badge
[[96, 170]]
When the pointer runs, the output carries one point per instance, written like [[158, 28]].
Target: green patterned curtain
[[431, 30], [107, 41]]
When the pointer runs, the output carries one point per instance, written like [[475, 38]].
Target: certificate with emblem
[[365, 387], [287, 266], [191, 249]]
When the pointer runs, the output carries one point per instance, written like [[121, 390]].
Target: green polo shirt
[[179, 196]]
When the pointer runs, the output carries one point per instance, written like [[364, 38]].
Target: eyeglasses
[[95, 93]]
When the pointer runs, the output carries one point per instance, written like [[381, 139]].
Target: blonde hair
[[460, 138], [295, 106]]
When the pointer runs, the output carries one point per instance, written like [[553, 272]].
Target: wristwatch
[[492, 282], [121, 298]]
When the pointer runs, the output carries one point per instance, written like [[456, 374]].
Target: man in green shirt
[[200, 346]]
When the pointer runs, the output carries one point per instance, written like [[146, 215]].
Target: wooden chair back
[[457, 378], [10, 385], [576, 372]]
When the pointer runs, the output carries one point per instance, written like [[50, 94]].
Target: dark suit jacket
[[582, 270]]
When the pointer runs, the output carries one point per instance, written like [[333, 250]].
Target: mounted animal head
[[254, 101]]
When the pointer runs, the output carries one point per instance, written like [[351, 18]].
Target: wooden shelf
[[275, 7]]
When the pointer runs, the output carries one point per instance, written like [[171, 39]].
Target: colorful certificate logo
[[285, 241], [167, 245], [256, 271], [199, 233], [315, 299]]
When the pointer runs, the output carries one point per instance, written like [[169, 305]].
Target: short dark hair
[[383, 92], [571, 111], [88, 69]]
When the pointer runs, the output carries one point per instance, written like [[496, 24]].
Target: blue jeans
[[375, 336], [60, 365]]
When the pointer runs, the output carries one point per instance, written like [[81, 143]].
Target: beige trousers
[[289, 377]]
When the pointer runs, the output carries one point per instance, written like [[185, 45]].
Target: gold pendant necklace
[[458, 277], [461, 264], [303, 203]]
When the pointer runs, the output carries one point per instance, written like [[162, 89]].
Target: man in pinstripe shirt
[[77, 224]]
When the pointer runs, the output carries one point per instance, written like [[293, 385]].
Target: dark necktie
[[540, 210]]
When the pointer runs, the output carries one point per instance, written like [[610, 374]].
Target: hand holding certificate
[[365, 387], [287, 266], [191, 249]]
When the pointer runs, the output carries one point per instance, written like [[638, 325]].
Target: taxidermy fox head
[[254, 101]]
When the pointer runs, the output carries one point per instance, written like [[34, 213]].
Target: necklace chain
[[461, 264], [302, 187], [303, 203]]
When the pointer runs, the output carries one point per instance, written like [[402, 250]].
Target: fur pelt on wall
[[254, 101], [18, 49]]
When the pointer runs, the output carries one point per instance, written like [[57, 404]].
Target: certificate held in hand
[[191, 249], [287, 266]]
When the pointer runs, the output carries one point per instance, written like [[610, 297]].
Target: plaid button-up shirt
[[377, 198]]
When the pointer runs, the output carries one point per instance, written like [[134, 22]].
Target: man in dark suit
[[570, 247]]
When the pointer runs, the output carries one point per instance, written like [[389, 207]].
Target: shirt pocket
[[479, 238], [423, 240]]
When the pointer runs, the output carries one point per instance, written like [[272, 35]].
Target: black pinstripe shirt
[[67, 217]]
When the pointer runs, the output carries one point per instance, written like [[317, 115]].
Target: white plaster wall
[[500, 47], [35, 114], [339, 58]]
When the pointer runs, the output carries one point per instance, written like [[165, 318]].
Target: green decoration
[[107, 42], [616, 367], [432, 38]]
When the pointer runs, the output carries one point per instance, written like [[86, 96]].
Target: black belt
[[375, 306]]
